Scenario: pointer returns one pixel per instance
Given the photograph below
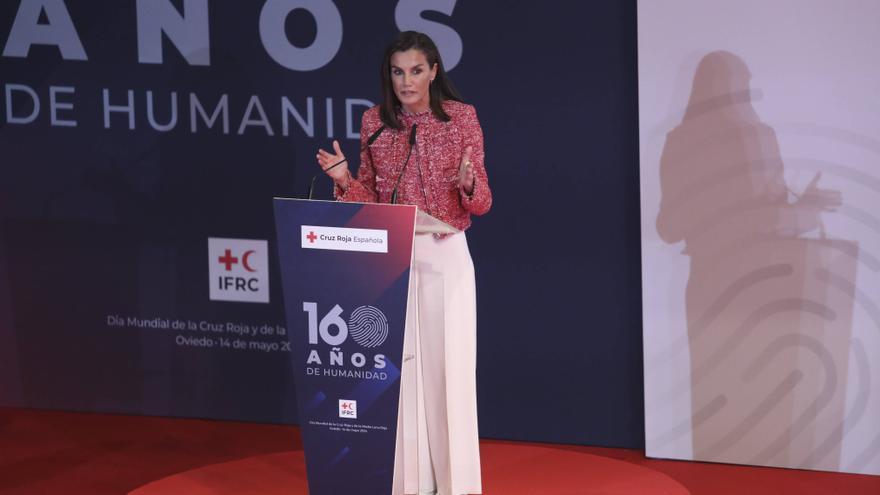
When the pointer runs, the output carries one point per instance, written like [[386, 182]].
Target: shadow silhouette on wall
[[767, 334]]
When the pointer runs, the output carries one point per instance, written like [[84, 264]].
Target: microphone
[[373, 137], [412, 143]]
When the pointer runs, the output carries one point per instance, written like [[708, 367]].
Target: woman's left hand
[[466, 171]]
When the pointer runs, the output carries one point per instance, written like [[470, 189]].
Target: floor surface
[[51, 452]]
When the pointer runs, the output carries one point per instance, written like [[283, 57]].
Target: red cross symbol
[[311, 237], [346, 405], [228, 260]]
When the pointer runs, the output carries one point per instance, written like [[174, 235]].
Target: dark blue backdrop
[[98, 220]]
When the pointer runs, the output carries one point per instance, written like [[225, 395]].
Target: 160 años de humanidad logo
[[367, 326]]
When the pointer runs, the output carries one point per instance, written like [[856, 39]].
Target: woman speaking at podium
[[423, 146]]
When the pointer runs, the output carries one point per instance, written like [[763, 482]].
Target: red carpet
[[507, 468], [70, 453]]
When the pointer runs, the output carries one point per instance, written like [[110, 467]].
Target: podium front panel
[[345, 271]]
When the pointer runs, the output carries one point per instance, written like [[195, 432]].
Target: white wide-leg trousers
[[437, 440]]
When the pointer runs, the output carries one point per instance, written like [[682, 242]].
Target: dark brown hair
[[441, 88]]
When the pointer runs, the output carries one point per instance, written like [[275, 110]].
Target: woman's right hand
[[339, 173]]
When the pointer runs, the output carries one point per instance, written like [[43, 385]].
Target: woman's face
[[411, 77]]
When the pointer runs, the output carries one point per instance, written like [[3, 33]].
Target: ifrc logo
[[238, 270], [348, 409]]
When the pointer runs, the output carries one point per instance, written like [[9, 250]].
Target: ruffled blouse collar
[[417, 117]]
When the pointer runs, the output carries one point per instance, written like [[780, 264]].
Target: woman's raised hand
[[466, 171], [327, 160]]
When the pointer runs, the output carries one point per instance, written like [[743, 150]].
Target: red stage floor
[[70, 453]]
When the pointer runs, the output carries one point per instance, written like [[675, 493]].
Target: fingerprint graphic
[[368, 326]]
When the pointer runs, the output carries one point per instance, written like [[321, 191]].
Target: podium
[[345, 270]]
